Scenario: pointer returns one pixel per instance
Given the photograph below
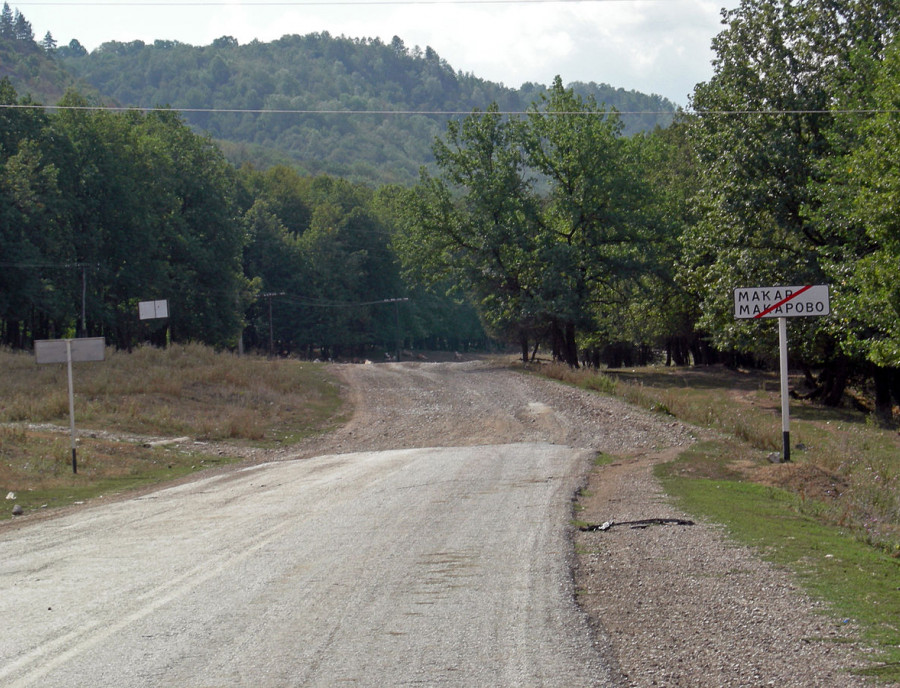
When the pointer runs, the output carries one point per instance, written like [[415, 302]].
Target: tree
[[534, 262], [861, 197], [7, 23], [772, 135], [759, 132], [664, 312], [476, 226], [22, 30], [32, 289], [74, 49], [593, 239], [151, 205], [202, 235], [48, 43]]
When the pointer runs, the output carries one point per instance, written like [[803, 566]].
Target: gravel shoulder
[[675, 605]]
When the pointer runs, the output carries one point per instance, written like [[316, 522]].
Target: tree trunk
[[570, 346], [834, 381], [884, 408]]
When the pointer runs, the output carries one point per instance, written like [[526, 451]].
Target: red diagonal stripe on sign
[[783, 301]]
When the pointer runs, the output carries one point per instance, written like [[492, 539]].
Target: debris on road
[[636, 525]]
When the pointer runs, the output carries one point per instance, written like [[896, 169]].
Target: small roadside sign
[[68, 351], [782, 302], [150, 310], [83, 349]]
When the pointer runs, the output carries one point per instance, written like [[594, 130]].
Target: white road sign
[[149, 310], [83, 349], [782, 302], [68, 351]]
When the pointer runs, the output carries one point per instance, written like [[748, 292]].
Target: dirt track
[[670, 606]]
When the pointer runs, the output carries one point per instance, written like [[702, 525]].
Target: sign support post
[[782, 303], [66, 351], [785, 407], [71, 405]]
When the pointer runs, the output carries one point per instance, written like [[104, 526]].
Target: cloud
[[655, 46]]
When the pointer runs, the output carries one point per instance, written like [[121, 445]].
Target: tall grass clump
[[181, 390]]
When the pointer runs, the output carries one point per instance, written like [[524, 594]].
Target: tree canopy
[[536, 218], [287, 101], [100, 210], [549, 223]]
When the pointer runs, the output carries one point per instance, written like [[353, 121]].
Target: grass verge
[[183, 391], [858, 582], [832, 515]]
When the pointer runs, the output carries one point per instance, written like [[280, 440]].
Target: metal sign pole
[[785, 410], [66, 351], [71, 404]]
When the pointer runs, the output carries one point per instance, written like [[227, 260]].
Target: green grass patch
[[857, 581]]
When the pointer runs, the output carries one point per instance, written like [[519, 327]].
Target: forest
[[356, 108], [553, 230]]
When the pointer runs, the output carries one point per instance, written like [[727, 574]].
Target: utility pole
[[84, 300], [396, 303], [269, 295]]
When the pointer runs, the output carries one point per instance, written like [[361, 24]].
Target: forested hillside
[[314, 84], [28, 64], [298, 100]]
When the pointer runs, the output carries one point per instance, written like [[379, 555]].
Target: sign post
[[782, 303], [66, 351]]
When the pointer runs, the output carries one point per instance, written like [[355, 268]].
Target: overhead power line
[[441, 113], [265, 111], [322, 303], [313, 3]]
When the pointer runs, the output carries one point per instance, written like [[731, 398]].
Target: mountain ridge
[[357, 108]]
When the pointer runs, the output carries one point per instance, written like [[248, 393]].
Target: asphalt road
[[428, 567]]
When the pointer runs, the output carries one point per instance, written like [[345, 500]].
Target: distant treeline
[[101, 210], [314, 82]]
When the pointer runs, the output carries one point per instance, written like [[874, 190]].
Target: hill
[[356, 108], [29, 65]]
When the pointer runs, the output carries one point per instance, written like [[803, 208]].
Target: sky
[[653, 46]]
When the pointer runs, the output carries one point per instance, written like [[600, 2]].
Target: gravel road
[[426, 542]]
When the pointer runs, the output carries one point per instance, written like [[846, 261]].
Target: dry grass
[[183, 390], [189, 391]]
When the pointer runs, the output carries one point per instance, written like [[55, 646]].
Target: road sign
[[83, 349], [149, 310], [782, 302], [66, 351]]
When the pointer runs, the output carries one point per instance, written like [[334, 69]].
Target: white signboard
[[84, 349], [148, 310], [782, 302], [68, 351]]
